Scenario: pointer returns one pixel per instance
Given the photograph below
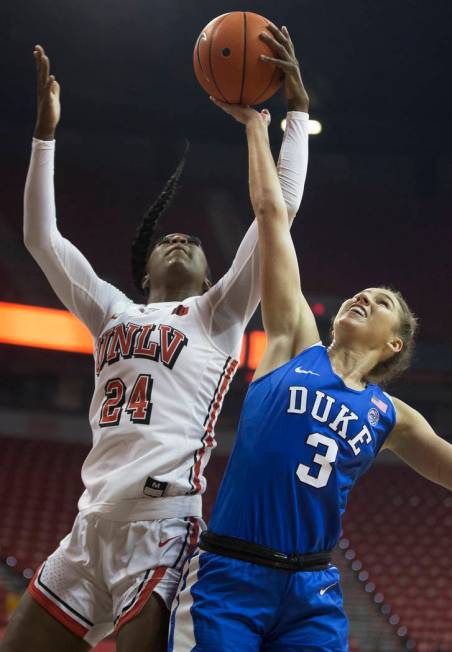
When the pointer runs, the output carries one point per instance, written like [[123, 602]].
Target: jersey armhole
[[392, 426], [319, 344], [209, 337]]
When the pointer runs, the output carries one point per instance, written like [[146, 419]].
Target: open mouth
[[359, 310]]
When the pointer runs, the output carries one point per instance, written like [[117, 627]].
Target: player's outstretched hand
[[286, 60], [244, 114], [48, 90]]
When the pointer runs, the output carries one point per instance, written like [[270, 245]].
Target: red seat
[[407, 551]]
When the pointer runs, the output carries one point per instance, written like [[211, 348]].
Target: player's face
[[177, 257], [371, 317]]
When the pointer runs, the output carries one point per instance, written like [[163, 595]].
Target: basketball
[[227, 60]]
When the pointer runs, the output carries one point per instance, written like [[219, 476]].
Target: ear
[[206, 284], [396, 345], [145, 281]]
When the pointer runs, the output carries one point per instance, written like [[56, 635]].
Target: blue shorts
[[228, 605]]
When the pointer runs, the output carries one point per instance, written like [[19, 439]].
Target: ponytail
[[144, 234]]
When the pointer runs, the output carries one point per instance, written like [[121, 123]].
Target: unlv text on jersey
[[134, 341]]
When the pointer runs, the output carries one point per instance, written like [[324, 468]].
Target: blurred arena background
[[376, 210]]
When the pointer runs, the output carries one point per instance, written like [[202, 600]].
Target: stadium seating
[[39, 488], [398, 540], [3, 612]]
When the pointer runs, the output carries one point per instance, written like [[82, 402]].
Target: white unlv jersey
[[160, 384], [162, 369]]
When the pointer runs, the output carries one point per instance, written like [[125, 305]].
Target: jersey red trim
[[142, 598], [54, 609], [212, 416], [194, 536]]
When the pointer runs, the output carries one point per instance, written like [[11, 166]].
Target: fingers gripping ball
[[227, 59]]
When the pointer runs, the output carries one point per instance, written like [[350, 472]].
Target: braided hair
[[145, 233]]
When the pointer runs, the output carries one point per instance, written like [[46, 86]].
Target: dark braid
[[145, 232]]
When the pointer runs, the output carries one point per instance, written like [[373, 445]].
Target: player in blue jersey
[[313, 421]]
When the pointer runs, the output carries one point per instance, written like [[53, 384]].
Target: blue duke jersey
[[304, 439]]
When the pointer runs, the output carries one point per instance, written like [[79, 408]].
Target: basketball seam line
[[199, 56], [210, 59], [244, 58]]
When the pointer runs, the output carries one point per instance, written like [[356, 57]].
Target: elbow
[[32, 242], [270, 209], [29, 241]]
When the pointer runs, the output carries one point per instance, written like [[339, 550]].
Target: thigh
[[147, 561], [312, 618], [219, 607], [69, 594], [32, 628], [148, 630]]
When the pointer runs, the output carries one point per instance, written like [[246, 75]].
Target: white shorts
[[103, 572]]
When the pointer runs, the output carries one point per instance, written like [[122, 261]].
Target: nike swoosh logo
[[163, 543], [324, 590], [299, 370]]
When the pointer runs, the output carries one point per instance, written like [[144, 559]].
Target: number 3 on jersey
[[139, 406], [303, 471]]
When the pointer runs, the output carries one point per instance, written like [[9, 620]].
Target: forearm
[[39, 198], [67, 270], [445, 469], [264, 187], [433, 462], [43, 132], [414, 441], [293, 160]]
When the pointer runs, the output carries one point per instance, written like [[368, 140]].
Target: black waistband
[[253, 552]]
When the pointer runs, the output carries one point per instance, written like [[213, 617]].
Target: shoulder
[[405, 414], [407, 420], [274, 360]]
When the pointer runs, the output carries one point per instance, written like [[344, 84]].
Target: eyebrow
[[388, 296]]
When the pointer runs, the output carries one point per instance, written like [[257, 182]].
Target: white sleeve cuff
[[43, 144], [298, 115]]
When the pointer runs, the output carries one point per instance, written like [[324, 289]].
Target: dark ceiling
[[377, 72], [378, 201]]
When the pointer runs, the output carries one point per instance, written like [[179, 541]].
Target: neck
[[162, 294], [352, 365]]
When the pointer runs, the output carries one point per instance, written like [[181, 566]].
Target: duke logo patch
[[373, 416]]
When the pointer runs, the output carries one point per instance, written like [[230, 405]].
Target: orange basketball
[[226, 59]]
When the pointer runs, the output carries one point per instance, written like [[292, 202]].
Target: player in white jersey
[[161, 372]]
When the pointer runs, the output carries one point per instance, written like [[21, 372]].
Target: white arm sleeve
[[67, 270], [229, 305]]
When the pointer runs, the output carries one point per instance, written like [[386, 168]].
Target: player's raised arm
[[293, 157], [68, 272], [285, 311], [416, 443], [229, 305]]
